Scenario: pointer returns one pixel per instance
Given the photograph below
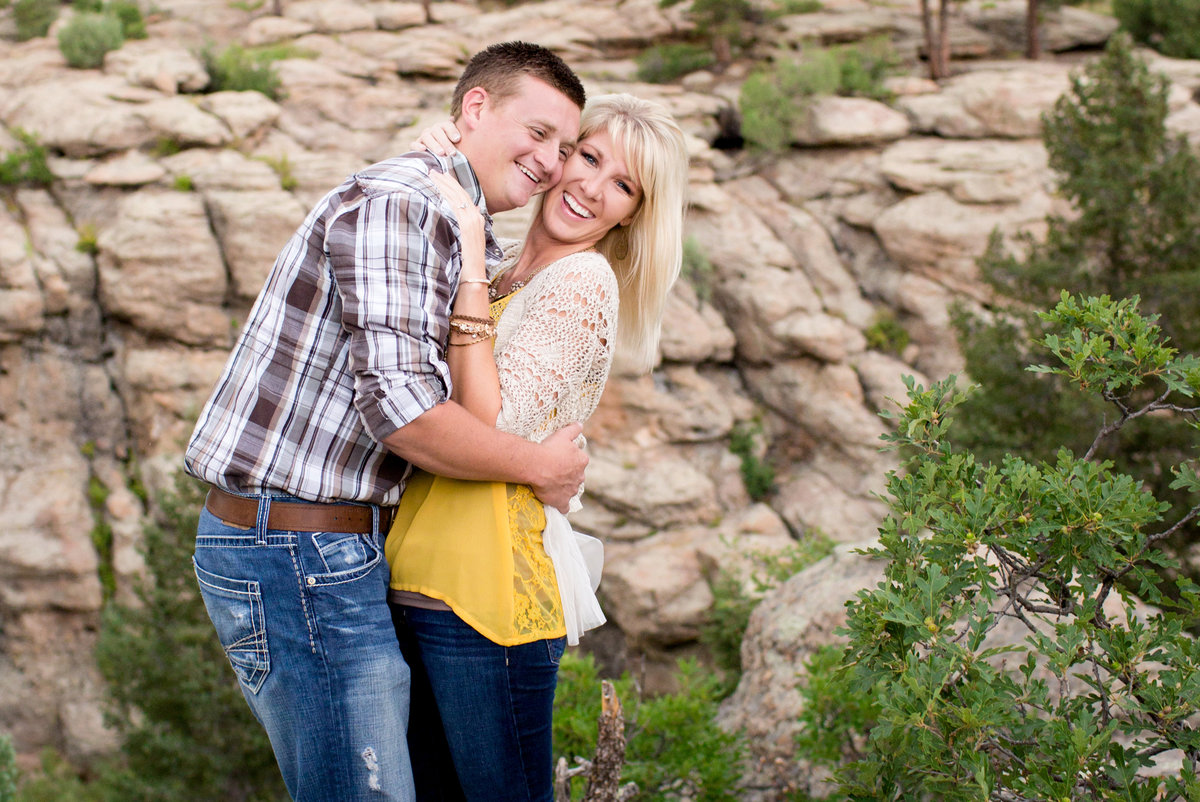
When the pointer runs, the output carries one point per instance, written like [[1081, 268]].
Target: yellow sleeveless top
[[477, 546]]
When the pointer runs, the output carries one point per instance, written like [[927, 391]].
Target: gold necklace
[[494, 293]]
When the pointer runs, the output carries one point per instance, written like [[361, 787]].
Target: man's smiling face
[[525, 139]]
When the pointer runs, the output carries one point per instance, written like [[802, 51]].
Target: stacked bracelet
[[473, 329]]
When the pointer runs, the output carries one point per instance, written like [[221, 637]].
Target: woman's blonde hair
[[647, 254]]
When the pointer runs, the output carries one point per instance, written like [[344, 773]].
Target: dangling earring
[[620, 249]]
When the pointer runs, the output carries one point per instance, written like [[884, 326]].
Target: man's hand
[[562, 465]]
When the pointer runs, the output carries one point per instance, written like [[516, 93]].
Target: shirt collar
[[457, 163]]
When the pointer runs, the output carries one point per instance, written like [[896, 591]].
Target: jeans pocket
[[345, 556], [554, 649], [235, 607]]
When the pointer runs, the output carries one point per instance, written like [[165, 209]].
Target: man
[[336, 385]]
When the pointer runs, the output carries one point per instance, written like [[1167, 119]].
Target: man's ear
[[474, 103]]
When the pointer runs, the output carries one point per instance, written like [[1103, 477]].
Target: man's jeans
[[304, 620], [481, 714]]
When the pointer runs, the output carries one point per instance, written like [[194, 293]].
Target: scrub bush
[[88, 37], [33, 18], [1101, 688]]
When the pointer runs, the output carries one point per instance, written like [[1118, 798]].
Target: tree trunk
[[930, 41], [603, 771], [1033, 39], [943, 39]]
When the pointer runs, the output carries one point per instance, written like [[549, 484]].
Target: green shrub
[[27, 165], [239, 70], [886, 334], [34, 17], [88, 37], [757, 474], [8, 770], [183, 183], [283, 168], [674, 750], [1134, 231], [697, 270], [1171, 27], [88, 240], [789, 7], [1098, 690], [186, 731], [133, 25], [768, 111], [774, 100], [661, 64]]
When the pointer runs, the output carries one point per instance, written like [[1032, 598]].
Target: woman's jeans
[[304, 620], [481, 713]]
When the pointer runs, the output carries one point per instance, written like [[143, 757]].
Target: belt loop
[[264, 516], [375, 528]]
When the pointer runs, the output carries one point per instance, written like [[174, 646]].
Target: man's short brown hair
[[499, 67]]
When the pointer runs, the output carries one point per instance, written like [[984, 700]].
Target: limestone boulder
[[157, 64], [660, 489], [245, 114], [331, 17], [820, 398], [170, 286], [252, 227], [969, 171], [993, 103], [937, 236], [833, 120], [656, 590], [21, 306], [786, 630], [1060, 29], [692, 330], [129, 169], [100, 121]]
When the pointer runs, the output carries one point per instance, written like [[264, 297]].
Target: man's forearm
[[449, 441]]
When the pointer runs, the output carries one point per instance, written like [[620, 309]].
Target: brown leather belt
[[296, 516]]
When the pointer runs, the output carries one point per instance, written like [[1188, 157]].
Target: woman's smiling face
[[596, 192]]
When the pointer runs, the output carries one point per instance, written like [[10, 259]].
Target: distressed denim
[[481, 713], [304, 620]]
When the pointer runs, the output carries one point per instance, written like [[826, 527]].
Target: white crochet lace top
[[554, 344]]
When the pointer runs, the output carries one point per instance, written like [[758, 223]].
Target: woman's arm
[[475, 384]]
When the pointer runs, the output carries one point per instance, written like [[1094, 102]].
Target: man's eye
[[538, 133]]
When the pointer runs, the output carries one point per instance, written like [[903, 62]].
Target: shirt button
[[312, 580]]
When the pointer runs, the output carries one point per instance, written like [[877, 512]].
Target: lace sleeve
[[553, 368]]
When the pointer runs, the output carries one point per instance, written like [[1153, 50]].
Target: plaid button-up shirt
[[344, 344]]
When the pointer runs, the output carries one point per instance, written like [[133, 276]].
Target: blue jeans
[[481, 713], [304, 620]]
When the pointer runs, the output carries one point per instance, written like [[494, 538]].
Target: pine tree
[[1136, 232]]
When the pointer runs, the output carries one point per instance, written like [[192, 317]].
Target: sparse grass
[[26, 165]]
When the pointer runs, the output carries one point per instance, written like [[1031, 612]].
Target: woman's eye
[[589, 158], [628, 190]]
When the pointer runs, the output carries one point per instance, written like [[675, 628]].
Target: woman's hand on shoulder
[[438, 138], [470, 222]]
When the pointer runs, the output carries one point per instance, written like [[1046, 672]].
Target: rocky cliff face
[[108, 352]]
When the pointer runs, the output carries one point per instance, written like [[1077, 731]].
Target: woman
[[477, 603]]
